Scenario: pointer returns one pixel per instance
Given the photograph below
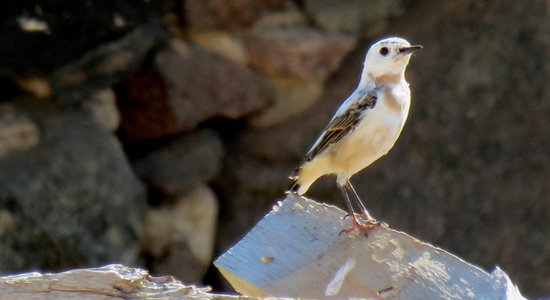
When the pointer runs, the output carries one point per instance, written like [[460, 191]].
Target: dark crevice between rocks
[[9, 90]]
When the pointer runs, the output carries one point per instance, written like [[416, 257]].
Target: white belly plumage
[[373, 138]]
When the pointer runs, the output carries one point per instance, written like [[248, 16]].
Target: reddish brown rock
[[297, 52], [144, 109], [185, 87]]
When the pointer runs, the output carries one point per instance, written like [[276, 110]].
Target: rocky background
[[156, 133]]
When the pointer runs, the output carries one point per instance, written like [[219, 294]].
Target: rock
[[182, 164], [103, 108], [352, 16], [71, 200], [221, 43], [194, 99], [180, 236], [293, 96], [222, 14], [183, 98], [103, 66], [145, 113], [287, 65], [288, 16], [304, 53], [298, 60], [63, 31], [17, 131]]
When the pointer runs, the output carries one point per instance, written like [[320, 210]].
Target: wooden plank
[[108, 282], [297, 251]]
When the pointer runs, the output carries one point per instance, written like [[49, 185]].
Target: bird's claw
[[364, 216], [365, 226]]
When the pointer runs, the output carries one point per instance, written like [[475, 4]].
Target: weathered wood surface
[[297, 251], [109, 282]]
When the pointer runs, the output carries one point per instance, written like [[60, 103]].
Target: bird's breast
[[379, 128], [375, 134]]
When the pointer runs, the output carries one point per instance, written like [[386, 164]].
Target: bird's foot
[[365, 217], [363, 224]]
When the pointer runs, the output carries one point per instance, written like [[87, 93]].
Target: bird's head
[[388, 58]]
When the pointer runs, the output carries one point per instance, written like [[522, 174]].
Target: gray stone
[[182, 164], [231, 91], [70, 201]]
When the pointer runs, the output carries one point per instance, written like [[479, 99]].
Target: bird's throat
[[387, 79]]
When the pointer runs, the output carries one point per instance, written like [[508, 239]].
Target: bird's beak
[[409, 50]]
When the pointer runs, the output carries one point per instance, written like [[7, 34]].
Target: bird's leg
[[365, 213], [356, 224], [351, 211], [370, 221]]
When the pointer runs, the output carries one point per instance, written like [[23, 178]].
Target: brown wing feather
[[342, 125]]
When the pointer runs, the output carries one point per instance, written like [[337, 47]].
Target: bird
[[364, 128]]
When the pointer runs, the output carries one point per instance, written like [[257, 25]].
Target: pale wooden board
[[297, 251], [108, 282]]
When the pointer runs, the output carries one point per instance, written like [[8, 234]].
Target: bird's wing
[[343, 123]]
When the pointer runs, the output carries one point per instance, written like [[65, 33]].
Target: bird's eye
[[384, 51]]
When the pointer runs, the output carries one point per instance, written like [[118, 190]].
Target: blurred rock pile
[[157, 133]]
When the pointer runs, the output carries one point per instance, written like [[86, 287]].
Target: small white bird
[[364, 128]]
